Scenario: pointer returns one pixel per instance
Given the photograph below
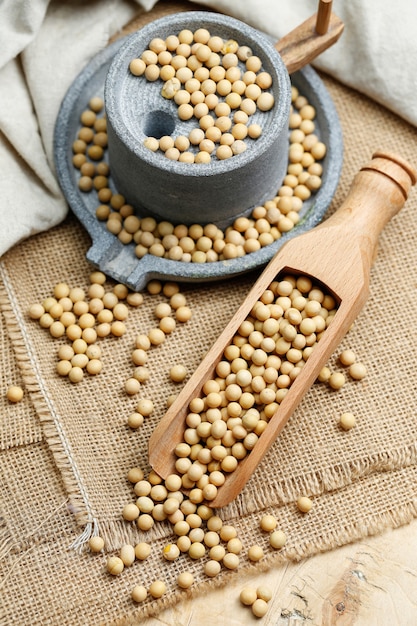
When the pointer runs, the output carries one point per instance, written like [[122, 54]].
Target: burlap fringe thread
[[48, 416], [318, 482]]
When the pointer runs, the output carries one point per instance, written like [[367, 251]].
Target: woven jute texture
[[65, 450]]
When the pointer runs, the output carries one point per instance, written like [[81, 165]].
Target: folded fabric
[[55, 46], [46, 44]]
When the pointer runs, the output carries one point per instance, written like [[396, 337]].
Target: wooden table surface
[[368, 583]]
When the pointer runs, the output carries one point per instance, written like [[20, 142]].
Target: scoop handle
[[305, 42]]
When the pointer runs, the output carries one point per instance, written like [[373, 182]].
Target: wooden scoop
[[338, 254]]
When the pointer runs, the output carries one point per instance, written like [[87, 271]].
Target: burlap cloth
[[66, 449]]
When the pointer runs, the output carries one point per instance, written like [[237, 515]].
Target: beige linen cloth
[[65, 449]]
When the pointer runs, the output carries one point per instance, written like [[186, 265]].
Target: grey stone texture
[[119, 261]]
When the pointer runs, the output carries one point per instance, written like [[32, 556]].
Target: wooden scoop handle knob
[[377, 193]]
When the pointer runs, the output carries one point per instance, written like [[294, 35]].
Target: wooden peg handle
[[304, 43], [323, 16]]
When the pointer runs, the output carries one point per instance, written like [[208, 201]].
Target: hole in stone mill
[[158, 123]]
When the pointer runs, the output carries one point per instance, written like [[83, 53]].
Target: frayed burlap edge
[[45, 408], [324, 480], [118, 532]]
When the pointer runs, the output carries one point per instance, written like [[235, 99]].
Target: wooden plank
[[368, 583]]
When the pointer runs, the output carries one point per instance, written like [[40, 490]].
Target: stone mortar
[[179, 192], [119, 261]]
